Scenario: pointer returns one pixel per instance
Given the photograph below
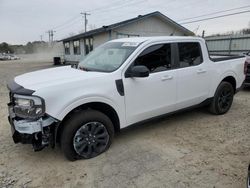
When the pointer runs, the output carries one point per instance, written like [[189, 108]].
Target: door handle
[[167, 77], [199, 71]]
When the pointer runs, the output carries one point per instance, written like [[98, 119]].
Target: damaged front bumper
[[40, 133], [28, 128]]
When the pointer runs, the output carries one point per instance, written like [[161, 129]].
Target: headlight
[[28, 106], [23, 102]]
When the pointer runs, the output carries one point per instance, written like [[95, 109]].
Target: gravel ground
[[190, 149]]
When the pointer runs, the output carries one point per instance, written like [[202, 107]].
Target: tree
[[5, 48], [29, 48]]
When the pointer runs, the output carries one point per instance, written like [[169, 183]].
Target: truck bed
[[220, 57]]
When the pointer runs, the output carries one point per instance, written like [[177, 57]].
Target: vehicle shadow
[[166, 120], [246, 89]]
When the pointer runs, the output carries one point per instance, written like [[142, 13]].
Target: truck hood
[[54, 76]]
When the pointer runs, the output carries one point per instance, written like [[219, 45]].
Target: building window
[[76, 45], [88, 45], [66, 48]]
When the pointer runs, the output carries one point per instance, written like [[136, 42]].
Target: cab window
[[189, 54], [156, 58]]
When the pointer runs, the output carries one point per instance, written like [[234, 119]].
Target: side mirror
[[74, 66], [138, 71]]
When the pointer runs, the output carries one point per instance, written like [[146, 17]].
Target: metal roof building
[[153, 24], [230, 44]]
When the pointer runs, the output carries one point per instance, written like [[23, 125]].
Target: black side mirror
[[138, 71], [74, 66]]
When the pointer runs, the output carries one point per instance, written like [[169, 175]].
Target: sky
[[22, 21]]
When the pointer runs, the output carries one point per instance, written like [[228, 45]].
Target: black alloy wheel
[[91, 139], [223, 99], [86, 134]]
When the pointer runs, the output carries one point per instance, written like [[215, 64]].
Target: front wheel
[[86, 135], [223, 99]]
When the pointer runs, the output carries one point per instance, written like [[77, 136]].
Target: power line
[[67, 26], [107, 6], [122, 6], [93, 10], [225, 15], [67, 22], [214, 13]]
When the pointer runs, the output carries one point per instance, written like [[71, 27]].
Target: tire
[[86, 134], [222, 99]]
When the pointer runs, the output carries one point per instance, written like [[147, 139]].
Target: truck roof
[[158, 38]]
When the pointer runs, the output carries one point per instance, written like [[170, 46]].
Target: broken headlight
[[30, 107]]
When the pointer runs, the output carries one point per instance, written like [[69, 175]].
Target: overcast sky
[[25, 20]]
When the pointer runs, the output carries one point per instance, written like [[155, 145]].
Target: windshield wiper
[[85, 69]]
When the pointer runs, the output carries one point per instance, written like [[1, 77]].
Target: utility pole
[[51, 34], [203, 33], [85, 19], [41, 37]]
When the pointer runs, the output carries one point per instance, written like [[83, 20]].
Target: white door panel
[[151, 96], [193, 85]]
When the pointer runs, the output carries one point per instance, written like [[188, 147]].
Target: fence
[[233, 44]]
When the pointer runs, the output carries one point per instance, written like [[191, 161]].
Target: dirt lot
[[191, 149]]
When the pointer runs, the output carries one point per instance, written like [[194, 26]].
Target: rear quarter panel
[[223, 69]]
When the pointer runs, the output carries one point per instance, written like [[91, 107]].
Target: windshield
[[108, 57]]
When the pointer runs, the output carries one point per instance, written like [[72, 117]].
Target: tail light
[[245, 67]]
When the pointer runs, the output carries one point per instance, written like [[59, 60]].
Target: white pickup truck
[[122, 82]]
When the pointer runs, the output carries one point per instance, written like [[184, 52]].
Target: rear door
[[193, 75]]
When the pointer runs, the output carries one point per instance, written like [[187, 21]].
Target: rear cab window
[[190, 54]]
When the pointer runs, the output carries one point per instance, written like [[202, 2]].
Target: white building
[[153, 24]]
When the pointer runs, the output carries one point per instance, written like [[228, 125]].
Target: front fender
[[71, 106], [60, 115]]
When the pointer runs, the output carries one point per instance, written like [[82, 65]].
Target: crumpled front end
[[29, 122]]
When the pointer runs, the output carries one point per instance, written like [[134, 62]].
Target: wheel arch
[[229, 77], [231, 80], [103, 107]]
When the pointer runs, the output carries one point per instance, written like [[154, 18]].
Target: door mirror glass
[[139, 71]]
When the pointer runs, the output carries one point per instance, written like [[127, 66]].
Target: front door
[[156, 94]]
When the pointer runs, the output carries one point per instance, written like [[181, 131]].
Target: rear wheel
[[223, 99], [86, 135]]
